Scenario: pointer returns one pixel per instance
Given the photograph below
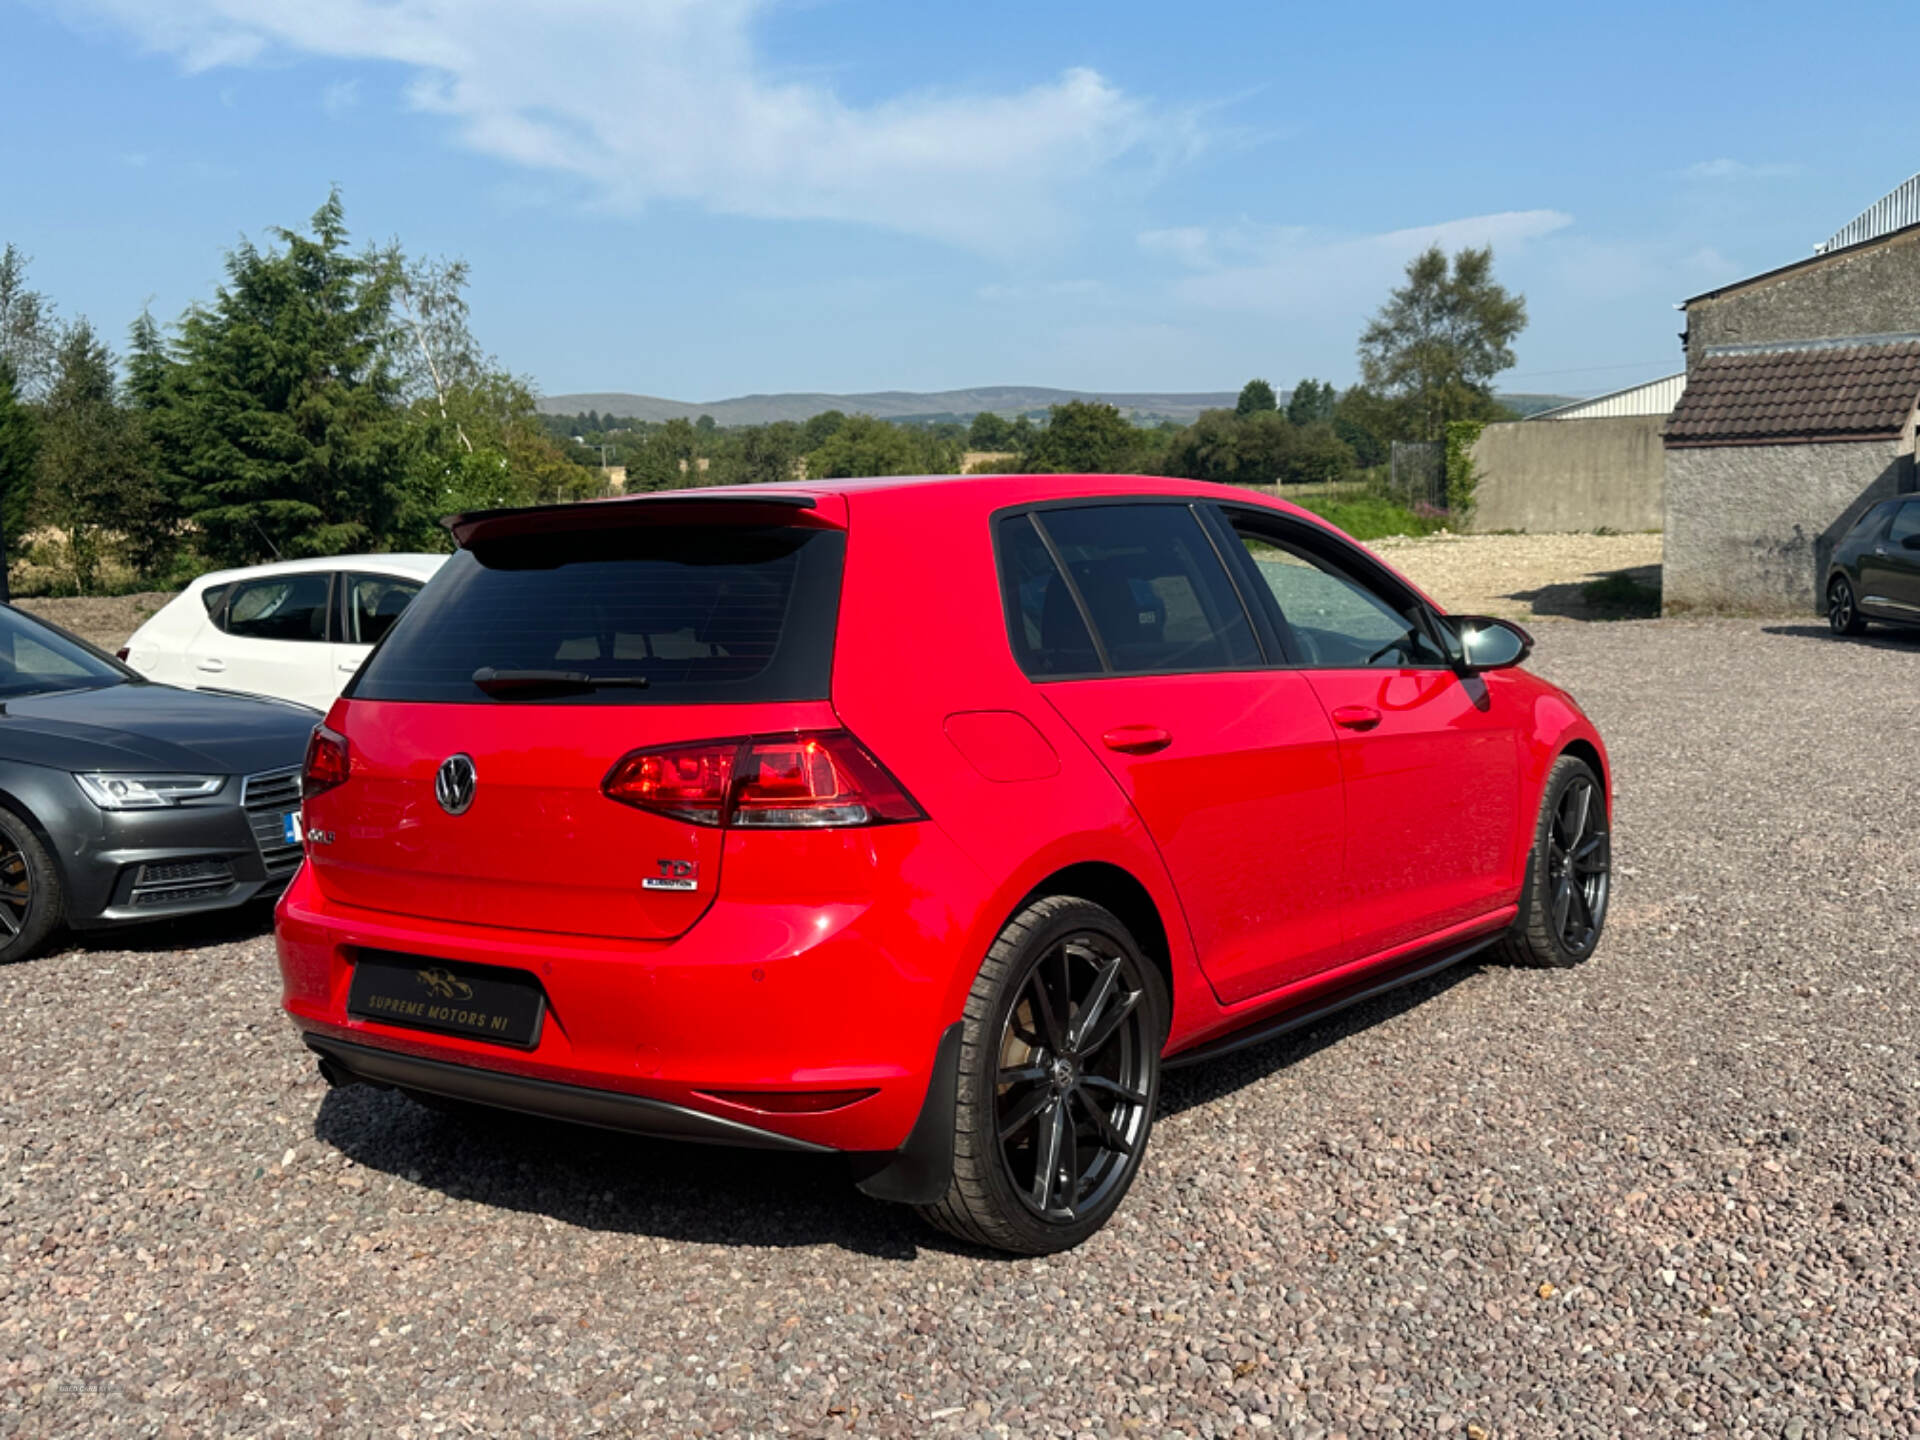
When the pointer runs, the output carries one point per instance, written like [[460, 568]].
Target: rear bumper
[[344, 1063], [639, 1035]]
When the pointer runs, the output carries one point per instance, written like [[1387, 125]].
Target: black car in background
[[122, 800], [1875, 573]]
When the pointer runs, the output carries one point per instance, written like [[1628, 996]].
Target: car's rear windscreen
[[705, 615]]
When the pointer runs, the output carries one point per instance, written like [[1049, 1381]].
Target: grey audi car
[[1875, 573], [122, 800]]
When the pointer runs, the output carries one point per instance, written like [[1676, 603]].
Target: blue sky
[[703, 198]]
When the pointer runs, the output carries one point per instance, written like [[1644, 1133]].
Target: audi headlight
[[147, 792]]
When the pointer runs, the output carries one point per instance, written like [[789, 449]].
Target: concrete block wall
[[1571, 475], [1750, 529]]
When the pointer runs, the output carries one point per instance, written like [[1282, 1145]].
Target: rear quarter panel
[[922, 637]]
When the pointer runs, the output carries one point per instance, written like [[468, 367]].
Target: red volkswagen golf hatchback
[[921, 820]]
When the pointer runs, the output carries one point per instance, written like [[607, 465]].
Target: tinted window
[[1906, 521], [213, 597], [1333, 619], [1049, 637], [34, 660], [373, 603], [706, 615], [1154, 585], [284, 607]]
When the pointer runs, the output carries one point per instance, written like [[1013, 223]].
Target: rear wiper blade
[[510, 684]]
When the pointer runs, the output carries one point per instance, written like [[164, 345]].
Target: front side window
[[374, 602], [1906, 522], [284, 607], [1334, 620], [1154, 587]]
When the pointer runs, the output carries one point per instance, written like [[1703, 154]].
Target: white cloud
[[1283, 269], [645, 100], [1725, 169], [340, 97]]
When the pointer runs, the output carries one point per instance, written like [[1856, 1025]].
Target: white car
[[296, 630]]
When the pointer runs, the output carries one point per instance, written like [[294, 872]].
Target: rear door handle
[[1136, 739], [1356, 717], [348, 666], [212, 667]]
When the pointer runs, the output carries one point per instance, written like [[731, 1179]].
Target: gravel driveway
[[1670, 1193]]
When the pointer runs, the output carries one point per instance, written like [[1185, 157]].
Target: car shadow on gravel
[[619, 1184], [1878, 638], [662, 1190], [190, 932], [1211, 1080]]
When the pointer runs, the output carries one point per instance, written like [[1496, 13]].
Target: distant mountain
[[927, 405], [886, 404]]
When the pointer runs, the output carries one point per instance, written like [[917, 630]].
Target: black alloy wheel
[[31, 902], [1563, 907], [1070, 1102], [1843, 612], [1579, 865], [1059, 1075]]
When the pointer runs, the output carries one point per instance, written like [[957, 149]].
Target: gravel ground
[[1521, 577], [1669, 1193]]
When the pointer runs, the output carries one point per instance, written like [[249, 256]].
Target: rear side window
[[706, 615], [373, 603], [285, 607], [213, 597], [1906, 523], [1150, 580], [1043, 619]]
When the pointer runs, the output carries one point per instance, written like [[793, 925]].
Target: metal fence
[[1417, 473]]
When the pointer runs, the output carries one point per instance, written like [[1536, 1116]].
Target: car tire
[[1563, 903], [1076, 1081], [1843, 610], [32, 899]]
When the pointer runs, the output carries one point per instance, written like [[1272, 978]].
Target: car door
[[1430, 759], [271, 637], [1126, 614], [369, 604], [1890, 568]]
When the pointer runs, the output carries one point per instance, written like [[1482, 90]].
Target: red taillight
[[122, 653], [326, 765], [818, 779]]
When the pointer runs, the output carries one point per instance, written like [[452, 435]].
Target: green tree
[[820, 428], [990, 432], [94, 482], [1441, 338], [1368, 423], [1311, 400], [291, 437], [1082, 437], [19, 453], [866, 446], [1256, 396], [764, 454]]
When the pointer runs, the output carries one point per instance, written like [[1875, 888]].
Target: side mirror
[[1487, 643]]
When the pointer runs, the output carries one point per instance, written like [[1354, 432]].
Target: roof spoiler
[[722, 507]]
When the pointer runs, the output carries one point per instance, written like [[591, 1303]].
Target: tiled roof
[[1812, 392]]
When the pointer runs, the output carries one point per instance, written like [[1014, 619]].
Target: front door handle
[[1136, 739], [212, 667], [1356, 717]]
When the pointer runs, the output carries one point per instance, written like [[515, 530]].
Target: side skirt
[[1272, 1027]]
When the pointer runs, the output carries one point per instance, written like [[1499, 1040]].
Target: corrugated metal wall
[[1656, 397], [1893, 212]]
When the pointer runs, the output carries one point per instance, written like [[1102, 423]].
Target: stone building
[[1799, 412]]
